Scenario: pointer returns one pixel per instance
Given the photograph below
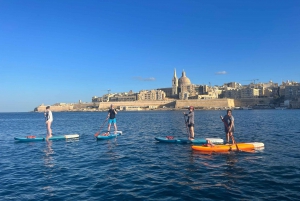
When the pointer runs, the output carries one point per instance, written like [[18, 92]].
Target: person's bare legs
[[232, 138], [192, 132], [227, 137], [49, 130], [115, 126], [108, 128]]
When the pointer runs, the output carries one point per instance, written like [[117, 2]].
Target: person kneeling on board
[[190, 122], [105, 134], [209, 144]]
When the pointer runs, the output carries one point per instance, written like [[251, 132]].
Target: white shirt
[[49, 116]]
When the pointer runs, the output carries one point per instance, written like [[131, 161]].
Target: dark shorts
[[191, 125]]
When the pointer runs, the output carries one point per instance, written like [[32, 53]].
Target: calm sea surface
[[136, 167]]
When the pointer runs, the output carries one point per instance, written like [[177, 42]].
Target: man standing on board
[[49, 119], [112, 118], [229, 126], [190, 121]]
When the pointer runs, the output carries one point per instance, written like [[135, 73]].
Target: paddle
[[232, 138], [229, 134], [187, 129], [96, 134]]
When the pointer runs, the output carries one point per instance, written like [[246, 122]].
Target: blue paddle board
[[57, 137], [110, 136]]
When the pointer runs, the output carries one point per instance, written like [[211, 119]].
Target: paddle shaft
[[96, 134], [187, 129]]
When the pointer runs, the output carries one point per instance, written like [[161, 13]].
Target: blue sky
[[70, 50]]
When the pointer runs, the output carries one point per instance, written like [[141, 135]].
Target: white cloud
[[144, 79], [221, 73]]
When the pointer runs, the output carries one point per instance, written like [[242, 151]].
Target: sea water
[[136, 167]]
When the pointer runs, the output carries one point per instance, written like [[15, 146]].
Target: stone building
[[233, 93], [96, 99], [151, 95], [249, 92], [233, 85], [182, 87], [202, 89], [292, 92]]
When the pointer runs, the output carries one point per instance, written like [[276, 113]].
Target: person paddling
[[190, 122], [112, 118], [229, 126], [49, 120]]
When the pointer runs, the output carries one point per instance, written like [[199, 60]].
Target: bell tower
[[174, 84]]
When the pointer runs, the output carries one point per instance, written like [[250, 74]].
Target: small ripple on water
[[135, 167]]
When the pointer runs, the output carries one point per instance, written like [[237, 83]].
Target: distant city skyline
[[66, 51]]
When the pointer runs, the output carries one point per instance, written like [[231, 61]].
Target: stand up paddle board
[[187, 141], [249, 146], [58, 137], [110, 136]]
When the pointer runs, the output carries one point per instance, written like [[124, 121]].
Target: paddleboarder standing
[[190, 122], [112, 118], [229, 126], [49, 120]]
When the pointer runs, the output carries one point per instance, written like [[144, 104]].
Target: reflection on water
[[231, 159], [48, 159], [109, 146], [110, 143], [136, 167], [72, 140], [49, 164], [259, 149]]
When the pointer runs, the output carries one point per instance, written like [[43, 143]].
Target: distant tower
[[174, 84]]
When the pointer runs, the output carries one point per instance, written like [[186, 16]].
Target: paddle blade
[[96, 134]]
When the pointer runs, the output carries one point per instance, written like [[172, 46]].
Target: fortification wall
[[79, 106], [177, 104], [67, 107], [54, 108], [106, 105], [251, 101], [205, 103]]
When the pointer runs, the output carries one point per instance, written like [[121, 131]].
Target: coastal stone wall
[[244, 102], [81, 106], [176, 104], [205, 103], [54, 108], [143, 104], [67, 107]]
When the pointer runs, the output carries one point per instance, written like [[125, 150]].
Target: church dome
[[184, 80]]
